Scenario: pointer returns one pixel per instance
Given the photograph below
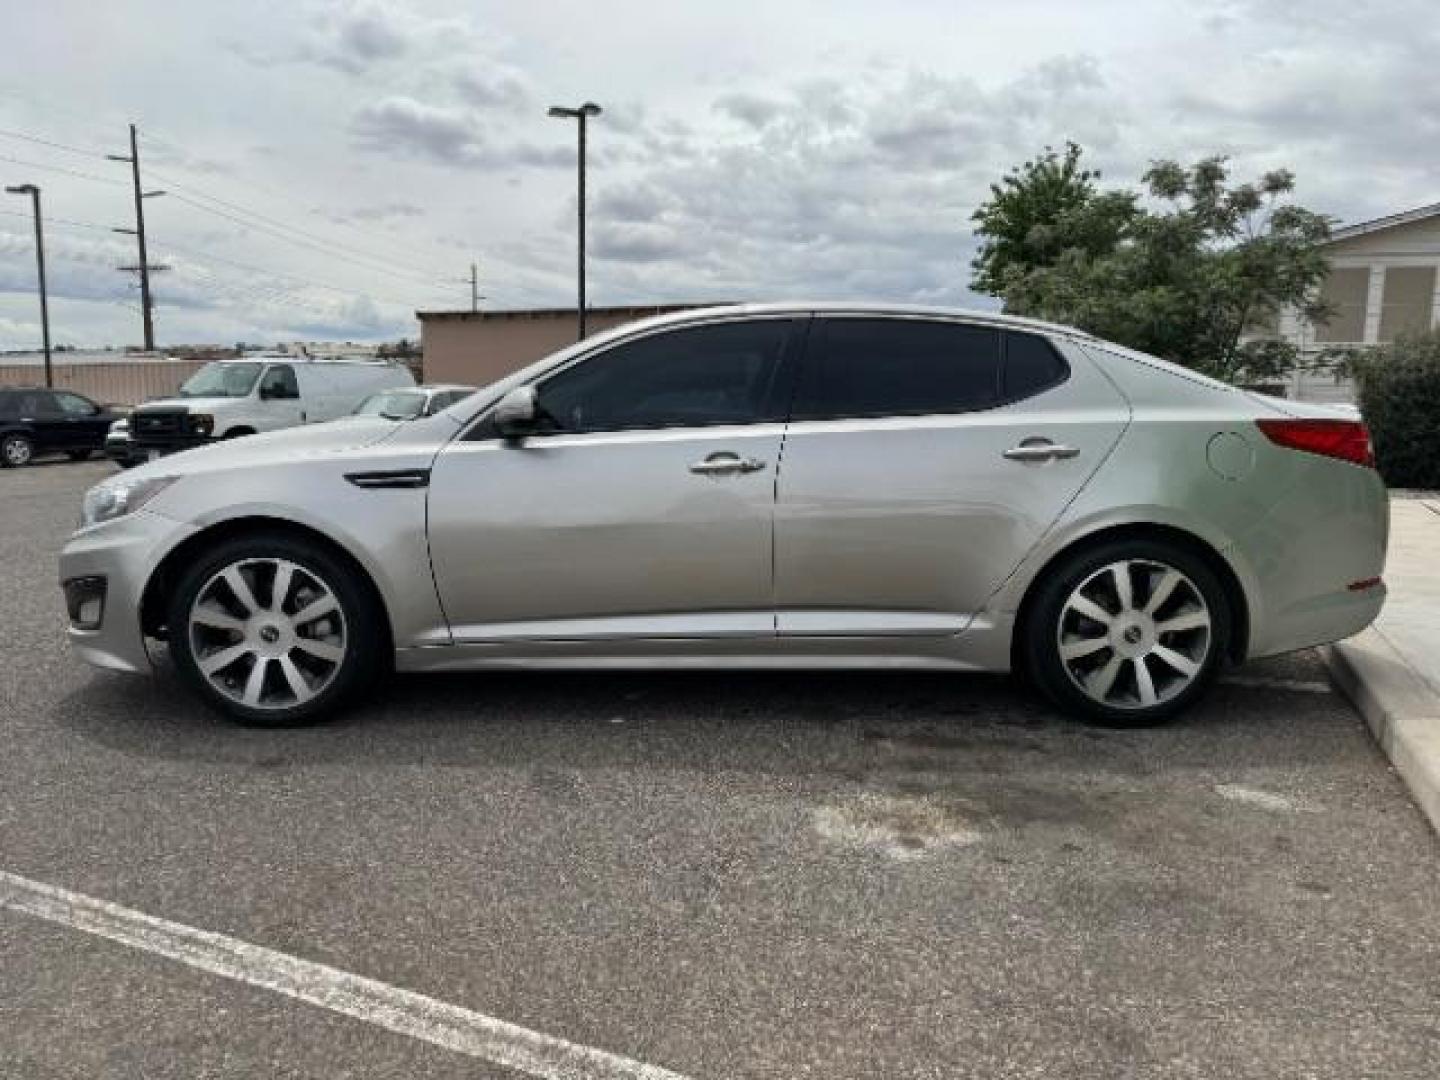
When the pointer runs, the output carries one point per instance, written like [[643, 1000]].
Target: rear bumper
[[123, 553], [1321, 620]]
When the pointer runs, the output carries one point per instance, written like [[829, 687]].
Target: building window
[[1409, 292], [1344, 291]]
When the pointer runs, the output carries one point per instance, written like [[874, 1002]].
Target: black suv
[[38, 421]]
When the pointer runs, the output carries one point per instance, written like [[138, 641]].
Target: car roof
[[846, 307]]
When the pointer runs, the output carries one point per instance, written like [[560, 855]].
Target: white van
[[229, 398]]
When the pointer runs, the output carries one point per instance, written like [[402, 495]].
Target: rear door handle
[[719, 464], [1040, 449]]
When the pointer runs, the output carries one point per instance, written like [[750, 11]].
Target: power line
[[313, 238], [67, 172], [51, 143], [299, 242]]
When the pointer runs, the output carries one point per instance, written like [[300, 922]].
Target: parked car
[[36, 421], [413, 403], [758, 486], [229, 398]]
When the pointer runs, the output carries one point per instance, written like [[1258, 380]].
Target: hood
[[268, 448], [196, 404]]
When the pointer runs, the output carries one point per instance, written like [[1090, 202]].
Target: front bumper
[[123, 553]]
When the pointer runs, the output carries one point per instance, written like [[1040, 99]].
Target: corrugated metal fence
[[118, 383]]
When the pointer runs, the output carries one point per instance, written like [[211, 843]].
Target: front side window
[[221, 380], [695, 377], [75, 405], [898, 367], [279, 382]]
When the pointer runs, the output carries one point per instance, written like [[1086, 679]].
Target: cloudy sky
[[334, 165]]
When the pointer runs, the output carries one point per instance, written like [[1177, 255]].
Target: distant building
[[1384, 279], [480, 347]]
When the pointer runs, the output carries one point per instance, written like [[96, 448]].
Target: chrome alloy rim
[[267, 633], [1134, 634], [17, 451]]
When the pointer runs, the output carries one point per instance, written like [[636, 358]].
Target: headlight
[[120, 427], [121, 496]]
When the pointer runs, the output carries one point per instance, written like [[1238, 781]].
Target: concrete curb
[[1402, 710]]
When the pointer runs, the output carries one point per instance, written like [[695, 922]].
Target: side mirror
[[515, 413]]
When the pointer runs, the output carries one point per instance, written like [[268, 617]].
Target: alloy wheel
[[267, 633], [1134, 634], [18, 451]]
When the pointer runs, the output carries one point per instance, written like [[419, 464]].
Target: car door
[[86, 423], [279, 399], [924, 459], [41, 413], [643, 511]]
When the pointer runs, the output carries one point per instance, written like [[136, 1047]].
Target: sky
[[331, 166]]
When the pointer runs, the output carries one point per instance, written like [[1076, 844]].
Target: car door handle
[[726, 462], [1040, 450]]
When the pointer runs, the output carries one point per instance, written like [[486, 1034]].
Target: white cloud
[[810, 148]]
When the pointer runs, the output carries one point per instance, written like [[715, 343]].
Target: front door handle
[[725, 462], [1040, 449]]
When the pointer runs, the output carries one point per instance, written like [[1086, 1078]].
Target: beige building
[[1384, 279], [480, 347]]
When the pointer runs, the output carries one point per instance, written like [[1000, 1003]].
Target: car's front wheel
[[273, 629], [16, 450], [1128, 633]]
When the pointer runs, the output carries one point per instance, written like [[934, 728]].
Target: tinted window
[[1031, 365], [75, 405], [898, 367], [39, 403], [718, 374], [279, 382], [9, 406]]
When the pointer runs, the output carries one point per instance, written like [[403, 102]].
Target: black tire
[[1047, 620], [79, 455], [16, 450], [360, 617]]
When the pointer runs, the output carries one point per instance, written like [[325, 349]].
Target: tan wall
[[478, 350], [118, 383]]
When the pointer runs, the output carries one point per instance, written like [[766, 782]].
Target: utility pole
[[34, 193], [143, 268], [474, 289], [582, 114]]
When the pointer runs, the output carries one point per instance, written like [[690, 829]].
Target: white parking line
[[402, 1011], [1260, 682]]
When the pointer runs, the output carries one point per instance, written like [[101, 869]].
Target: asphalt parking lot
[[723, 875]]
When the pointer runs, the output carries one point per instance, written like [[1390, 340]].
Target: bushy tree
[[1042, 210], [1399, 386], [1188, 277]]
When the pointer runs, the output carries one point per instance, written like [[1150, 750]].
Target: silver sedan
[[801, 486]]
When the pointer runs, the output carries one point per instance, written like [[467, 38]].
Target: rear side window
[[1031, 366], [9, 406], [279, 382], [898, 367]]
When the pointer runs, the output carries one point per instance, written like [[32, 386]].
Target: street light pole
[[582, 114], [34, 193]]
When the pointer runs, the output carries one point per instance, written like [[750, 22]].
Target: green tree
[[1193, 279], [1039, 212]]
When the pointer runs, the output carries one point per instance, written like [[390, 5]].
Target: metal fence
[[119, 383]]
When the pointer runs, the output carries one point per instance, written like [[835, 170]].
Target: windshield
[[221, 380], [393, 405]]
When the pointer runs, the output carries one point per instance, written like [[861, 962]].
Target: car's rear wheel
[[1127, 634], [274, 630], [16, 450]]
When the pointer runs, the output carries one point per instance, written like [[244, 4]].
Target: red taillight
[[1348, 440]]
